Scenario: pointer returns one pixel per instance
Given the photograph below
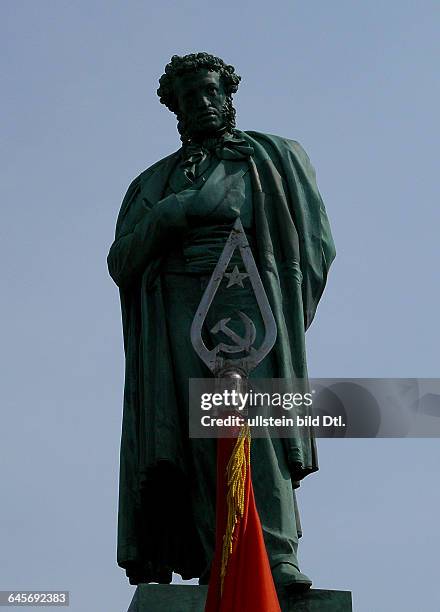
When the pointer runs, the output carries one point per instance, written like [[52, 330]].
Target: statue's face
[[201, 97]]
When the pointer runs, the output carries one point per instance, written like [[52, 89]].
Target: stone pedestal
[[191, 598]]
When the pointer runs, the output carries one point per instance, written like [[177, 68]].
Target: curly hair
[[190, 63]]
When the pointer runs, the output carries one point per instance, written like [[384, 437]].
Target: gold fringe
[[236, 473]]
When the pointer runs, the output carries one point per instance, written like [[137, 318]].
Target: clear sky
[[357, 83]]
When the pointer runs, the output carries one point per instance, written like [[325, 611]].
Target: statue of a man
[[170, 232]]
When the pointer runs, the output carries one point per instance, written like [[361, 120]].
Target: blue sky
[[357, 83]]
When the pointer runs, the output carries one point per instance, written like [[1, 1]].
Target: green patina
[[171, 229]]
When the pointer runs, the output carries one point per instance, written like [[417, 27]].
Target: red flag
[[241, 579]]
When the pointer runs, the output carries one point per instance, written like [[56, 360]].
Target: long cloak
[[294, 252]]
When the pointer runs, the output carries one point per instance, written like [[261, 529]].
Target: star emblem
[[235, 277]]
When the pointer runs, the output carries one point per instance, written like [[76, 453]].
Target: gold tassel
[[236, 473]]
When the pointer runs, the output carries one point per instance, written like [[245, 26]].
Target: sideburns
[[228, 112]]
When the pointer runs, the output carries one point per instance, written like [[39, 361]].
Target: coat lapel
[[154, 184]]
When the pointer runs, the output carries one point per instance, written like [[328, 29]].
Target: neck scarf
[[230, 146]]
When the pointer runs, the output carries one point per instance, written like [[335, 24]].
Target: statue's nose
[[203, 102]]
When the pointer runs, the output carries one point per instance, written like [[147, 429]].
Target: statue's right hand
[[190, 200]]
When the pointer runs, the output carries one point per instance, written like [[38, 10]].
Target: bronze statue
[[170, 232]]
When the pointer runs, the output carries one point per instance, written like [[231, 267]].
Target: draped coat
[[294, 252]]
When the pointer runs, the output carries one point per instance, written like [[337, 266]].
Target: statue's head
[[198, 88]]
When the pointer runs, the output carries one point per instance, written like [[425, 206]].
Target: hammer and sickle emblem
[[242, 343], [212, 357]]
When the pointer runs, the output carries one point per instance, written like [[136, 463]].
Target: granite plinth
[[191, 598]]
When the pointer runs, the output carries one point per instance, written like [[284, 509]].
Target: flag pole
[[241, 577]]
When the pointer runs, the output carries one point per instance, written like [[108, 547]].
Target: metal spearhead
[[217, 363]]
